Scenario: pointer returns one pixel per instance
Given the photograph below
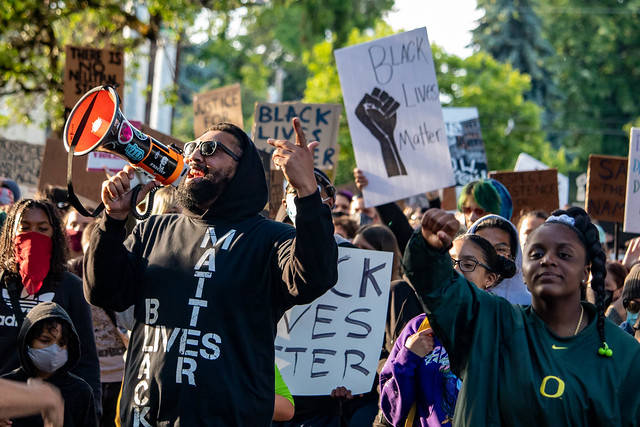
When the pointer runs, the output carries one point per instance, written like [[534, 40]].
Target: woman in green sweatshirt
[[556, 362]]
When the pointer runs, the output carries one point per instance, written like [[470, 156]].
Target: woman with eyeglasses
[[556, 362], [503, 235], [417, 386]]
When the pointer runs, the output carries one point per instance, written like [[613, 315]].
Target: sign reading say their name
[[86, 68], [320, 122], [216, 106], [632, 199], [606, 186], [336, 340], [393, 107]]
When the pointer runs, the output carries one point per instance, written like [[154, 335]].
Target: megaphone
[[96, 123]]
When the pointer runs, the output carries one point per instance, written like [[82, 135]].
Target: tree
[[511, 31], [510, 124], [597, 69], [34, 33], [276, 36]]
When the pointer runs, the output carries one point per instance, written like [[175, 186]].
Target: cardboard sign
[[632, 199], [468, 158], [393, 107], [606, 187], [216, 106], [20, 161], [320, 122], [530, 191], [86, 68], [526, 162], [336, 340]]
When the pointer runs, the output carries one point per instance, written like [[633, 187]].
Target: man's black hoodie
[[208, 289], [79, 409]]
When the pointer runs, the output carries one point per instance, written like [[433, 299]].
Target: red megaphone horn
[[97, 123]]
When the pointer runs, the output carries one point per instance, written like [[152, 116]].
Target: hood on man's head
[[246, 194], [43, 311]]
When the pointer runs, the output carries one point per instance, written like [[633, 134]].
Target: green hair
[[485, 195]]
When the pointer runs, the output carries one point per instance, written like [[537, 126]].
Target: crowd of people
[[171, 320]]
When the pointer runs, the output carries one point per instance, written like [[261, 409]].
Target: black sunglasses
[[207, 148]]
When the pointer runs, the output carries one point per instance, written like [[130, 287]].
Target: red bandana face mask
[[33, 255], [75, 240]]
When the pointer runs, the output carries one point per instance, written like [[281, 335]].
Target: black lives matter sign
[[87, 67]]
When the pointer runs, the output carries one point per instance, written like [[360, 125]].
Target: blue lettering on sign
[[134, 152]]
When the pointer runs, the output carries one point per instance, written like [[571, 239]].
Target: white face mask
[[48, 359], [291, 207]]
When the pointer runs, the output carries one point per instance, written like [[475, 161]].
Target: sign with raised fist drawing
[[395, 119]]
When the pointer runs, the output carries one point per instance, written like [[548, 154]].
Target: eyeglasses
[[207, 148], [632, 305], [468, 265]]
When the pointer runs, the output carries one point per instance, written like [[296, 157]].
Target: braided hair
[[59, 242], [589, 236]]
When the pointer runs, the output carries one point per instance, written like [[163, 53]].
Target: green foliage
[[511, 32], [597, 69], [510, 124]]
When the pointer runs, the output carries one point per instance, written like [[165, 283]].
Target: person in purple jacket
[[418, 368]]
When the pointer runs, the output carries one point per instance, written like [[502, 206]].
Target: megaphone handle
[[134, 197]]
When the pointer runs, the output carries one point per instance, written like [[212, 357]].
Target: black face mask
[[608, 297]]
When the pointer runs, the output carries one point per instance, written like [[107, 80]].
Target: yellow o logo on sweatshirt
[[559, 387]]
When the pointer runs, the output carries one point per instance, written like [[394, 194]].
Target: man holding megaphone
[[209, 285]]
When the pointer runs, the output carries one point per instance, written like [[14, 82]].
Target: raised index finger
[[301, 140]]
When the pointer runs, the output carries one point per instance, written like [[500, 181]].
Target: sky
[[448, 22]]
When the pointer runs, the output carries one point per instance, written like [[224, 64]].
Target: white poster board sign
[[99, 161], [526, 162], [336, 340], [392, 101], [632, 198]]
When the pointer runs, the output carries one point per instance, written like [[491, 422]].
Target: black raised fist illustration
[[378, 113]]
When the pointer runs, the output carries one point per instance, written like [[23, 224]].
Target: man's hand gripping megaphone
[[116, 192]]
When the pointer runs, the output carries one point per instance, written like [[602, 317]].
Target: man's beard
[[197, 195]]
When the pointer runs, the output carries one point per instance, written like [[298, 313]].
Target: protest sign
[[219, 105], [606, 185], [86, 68], [336, 340], [21, 161], [525, 162], [320, 122], [530, 190], [466, 147], [393, 108], [632, 197]]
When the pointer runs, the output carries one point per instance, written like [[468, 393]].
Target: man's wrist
[[307, 190]]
